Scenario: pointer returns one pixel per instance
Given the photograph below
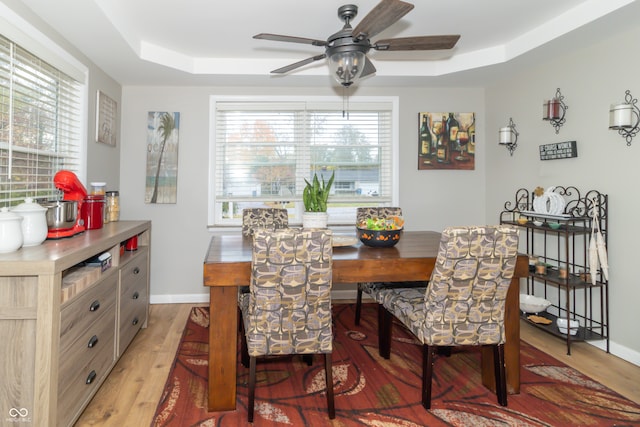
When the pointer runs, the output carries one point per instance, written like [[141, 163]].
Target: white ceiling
[[193, 42]]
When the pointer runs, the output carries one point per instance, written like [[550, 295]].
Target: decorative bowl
[[562, 326], [554, 225], [522, 220], [379, 238], [538, 223], [533, 304]]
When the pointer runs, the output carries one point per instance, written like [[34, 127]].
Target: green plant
[[316, 194]]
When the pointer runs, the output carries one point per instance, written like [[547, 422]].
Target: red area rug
[[370, 391]]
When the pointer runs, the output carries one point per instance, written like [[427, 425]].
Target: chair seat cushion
[[408, 306], [374, 289]]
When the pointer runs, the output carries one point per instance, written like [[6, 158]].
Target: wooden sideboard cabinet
[[64, 324]]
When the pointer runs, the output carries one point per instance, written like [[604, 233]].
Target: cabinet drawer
[[85, 310], [135, 269], [134, 300], [77, 386], [98, 337]]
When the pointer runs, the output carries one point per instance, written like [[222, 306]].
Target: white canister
[[10, 231], [34, 223]]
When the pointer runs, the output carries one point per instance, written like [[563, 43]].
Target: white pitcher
[[10, 231]]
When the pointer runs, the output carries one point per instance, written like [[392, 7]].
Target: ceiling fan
[[347, 49]]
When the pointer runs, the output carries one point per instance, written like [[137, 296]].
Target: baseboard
[[347, 294], [179, 299]]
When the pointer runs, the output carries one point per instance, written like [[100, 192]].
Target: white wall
[[430, 199], [590, 79]]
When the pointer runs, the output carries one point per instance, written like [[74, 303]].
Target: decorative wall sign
[[446, 141], [106, 116], [560, 150], [162, 157]]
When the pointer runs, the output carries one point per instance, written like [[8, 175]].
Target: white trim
[[347, 294], [179, 299], [624, 353]]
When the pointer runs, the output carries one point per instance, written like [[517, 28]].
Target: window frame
[[30, 39], [214, 217]]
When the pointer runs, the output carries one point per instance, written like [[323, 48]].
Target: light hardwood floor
[[128, 398]]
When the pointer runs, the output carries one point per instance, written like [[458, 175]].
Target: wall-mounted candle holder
[[554, 110], [625, 117], [509, 136]]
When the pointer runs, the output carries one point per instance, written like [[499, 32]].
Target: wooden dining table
[[227, 266]]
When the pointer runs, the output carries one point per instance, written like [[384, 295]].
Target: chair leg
[[428, 356], [244, 350], [252, 388], [501, 377], [329, 380], [358, 305], [385, 322]]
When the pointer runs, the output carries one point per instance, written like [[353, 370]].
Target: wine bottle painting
[[446, 140]]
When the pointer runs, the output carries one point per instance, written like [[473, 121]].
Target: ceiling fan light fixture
[[346, 67]]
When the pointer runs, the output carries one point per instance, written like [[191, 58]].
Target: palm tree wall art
[[162, 157]]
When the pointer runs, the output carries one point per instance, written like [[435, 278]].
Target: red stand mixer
[[74, 191]]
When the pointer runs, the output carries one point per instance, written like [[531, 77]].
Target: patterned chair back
[[289, 304], [377, 212], [465, 299], [269, 218]]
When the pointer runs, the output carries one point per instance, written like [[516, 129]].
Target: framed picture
[[446, 141], [106, 116], [163, 130]]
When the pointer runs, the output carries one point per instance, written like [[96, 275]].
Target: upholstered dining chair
[[288, 308], [464, 303], [373, 288], [270, 218]]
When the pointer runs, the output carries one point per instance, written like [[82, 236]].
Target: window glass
[[39, 124], [263, 151]]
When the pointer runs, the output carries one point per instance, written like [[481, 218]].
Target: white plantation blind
[[264, 150], [39, 124]]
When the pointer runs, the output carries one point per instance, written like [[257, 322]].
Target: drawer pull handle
[[136, 270], [93, 341], [94, 306], [92, 376], [135, 321], [136, 295]]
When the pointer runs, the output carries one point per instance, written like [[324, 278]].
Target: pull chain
[[345, 102]]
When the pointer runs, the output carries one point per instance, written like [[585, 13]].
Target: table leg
[[223, 336], [511, 345]]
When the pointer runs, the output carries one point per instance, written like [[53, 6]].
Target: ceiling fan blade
[[368, 68], [418, 43], [292, 39], [386, 13], [299, 64]]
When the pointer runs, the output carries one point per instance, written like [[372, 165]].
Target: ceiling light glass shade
[[346, 67]]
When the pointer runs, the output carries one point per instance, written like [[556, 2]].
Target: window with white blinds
[[263, 150], [39, 124]]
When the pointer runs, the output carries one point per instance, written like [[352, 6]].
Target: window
[[40, 124], [263, 150]]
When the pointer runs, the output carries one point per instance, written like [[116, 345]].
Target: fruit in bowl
[[380, 232], [391, 223]]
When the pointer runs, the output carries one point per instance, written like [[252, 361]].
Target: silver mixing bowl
[[61, 214]]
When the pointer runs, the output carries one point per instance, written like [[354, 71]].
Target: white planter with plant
[[314, 197]]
